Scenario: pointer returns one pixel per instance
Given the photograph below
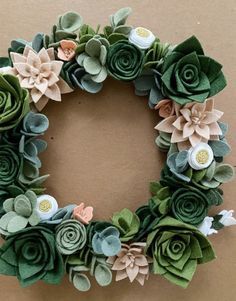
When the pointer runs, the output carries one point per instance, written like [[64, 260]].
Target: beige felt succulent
[[194, 123], [39, 73], [131, 263]]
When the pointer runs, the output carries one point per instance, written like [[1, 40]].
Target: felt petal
[[166, 125], [23, 69], [179, 123], [43, 56], [25, 83], [177, 136], [42, 86], [56, 67], [53, 92], [203, 131], [188, 130], [120, 275], [35, 95], [52, 79], [17, 57], [33, 60], [186, 113], [194, 139], [64, 87], [132, 272], [41, 103]]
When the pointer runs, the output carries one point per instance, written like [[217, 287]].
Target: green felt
[[103, 275], [81, 282], [224, 173]]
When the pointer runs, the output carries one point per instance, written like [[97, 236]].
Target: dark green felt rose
[[10, 163], [31, 255], [176, 249], [124, 60], [188, 75], [14, 102], [189, 205]]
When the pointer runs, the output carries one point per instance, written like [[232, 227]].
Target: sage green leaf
[[103, 275], [5, 220], [92, 65], [101, 76], [90, 85], [120, 17], [8, 205], [70, 21], [22, 206], [92, 47], [17, 223], [210, 184], [224, 173], [220, 148], [81, 282]]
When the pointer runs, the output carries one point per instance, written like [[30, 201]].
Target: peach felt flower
[[83, 214], [131, 262], [195, 123], [40, 74], [66, 51], [167, 108]]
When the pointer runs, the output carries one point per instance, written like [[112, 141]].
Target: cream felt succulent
[[39, 73], [194, 123]]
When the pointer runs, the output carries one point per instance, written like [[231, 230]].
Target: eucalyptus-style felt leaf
[[220, 148], [155, 187], [103, 275], [70, 22], [210, 171], [115, 37], [214, 197], [198, 175], [101, 76], [22, 206], [37, 43], [8, 205], [92, 65], [103, 54], [224, 173], [34, 218], [81, 282], [181, 160], [120, 17], [89, 85], [17, 223], [4, 220], [124, 29], [92, 47], [210, 184], [110, 245]]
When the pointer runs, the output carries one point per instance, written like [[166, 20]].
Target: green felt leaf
[[103, 275], [70, 21], [224, 173], [92, 47], [190, 45], [22, 206], [115, 37], [17, 223], [198, 175], [210, 171], [81, 282], [8, 205], [90, 85], [92, 65], [210, 184], [120, 17], [220, 148], [6, 218], [101, 76]]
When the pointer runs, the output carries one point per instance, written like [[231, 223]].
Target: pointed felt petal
[[166, 125], [53, 93], [188, 130], [203, 131], [23, 69]]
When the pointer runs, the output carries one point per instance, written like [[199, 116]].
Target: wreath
[[168, 235]]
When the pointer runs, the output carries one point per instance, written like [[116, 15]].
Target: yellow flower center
[[202, 157], [45, 206], [142, 32]]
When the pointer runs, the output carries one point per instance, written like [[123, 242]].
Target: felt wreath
[[166, 236]]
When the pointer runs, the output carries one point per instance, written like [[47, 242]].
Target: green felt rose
[[70, 236], [127, 223], [14, 102], [189, 205], [10, 163], [31, 255], [176, 249], [188, 75], [124, 61]]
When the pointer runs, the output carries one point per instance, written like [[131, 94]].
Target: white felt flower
[[46, 206], [6, 70], [227, 218], [200, 156], [141, 37], [205, 226]]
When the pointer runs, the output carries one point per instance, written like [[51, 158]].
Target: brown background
[[101, 147]]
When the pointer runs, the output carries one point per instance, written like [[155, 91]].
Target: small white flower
[[6, 70], [200, 156], [141, 37], [46, 206], [227, 218], [205, 226]]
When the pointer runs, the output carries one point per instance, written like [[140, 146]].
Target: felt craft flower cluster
[[166, 236]]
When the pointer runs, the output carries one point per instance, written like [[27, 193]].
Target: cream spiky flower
[[39, 73], [194, 123], [131, 263]]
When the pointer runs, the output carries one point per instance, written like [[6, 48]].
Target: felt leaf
[[119, 18], [92, 47], [111, 246], [81, 282], [89, 85], [8, 205], [6, 218], [34, 219], [71, 21], [17, 223], [103, 275], [22, 206], [224, 173], [210, 184], [210, 171], [220, 148]]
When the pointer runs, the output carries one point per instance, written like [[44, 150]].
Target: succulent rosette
[[176, 249], [188, 75], [31, 255], [124, 61]]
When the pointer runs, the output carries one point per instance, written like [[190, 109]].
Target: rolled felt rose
[[14, 102], [189, 205], [176, 249], [71, 236], [31, 255], [124, 60]]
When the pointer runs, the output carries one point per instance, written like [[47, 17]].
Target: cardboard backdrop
[[101, 147]]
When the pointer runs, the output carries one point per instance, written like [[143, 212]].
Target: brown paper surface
[[101, 147]]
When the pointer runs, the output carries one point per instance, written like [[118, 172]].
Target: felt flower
[[83, 214], [66, 50], [176, 248], [61, 215], [39, 73], [127, 222], [141, 37], [227, 218], [131, 262], [106, 241], [200, 156], [46, 206], [14, 102], [167, 108], [189, 206], [206, 226], [10, 163], [196, 122], [20, 212], [187, 75], [31, 255], [70, 236], [124, 60]]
